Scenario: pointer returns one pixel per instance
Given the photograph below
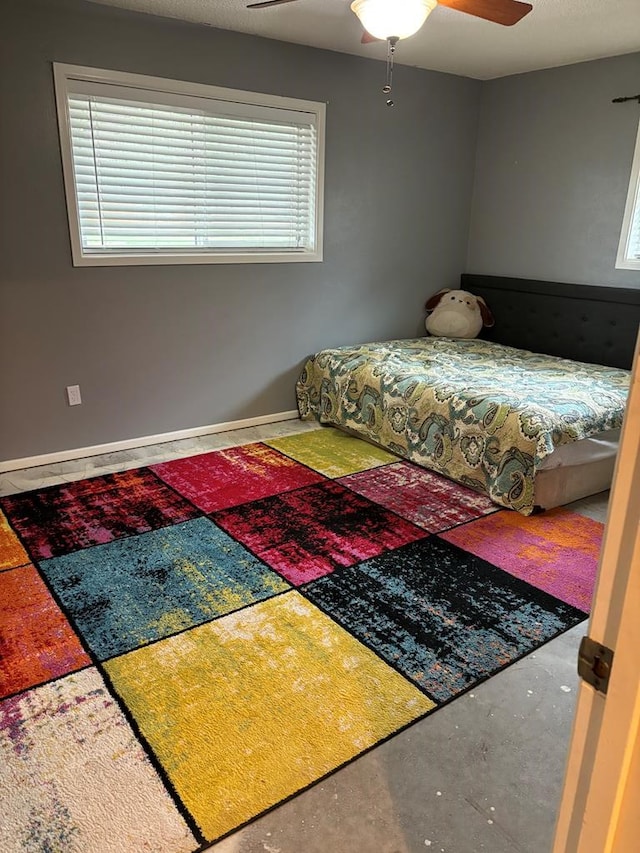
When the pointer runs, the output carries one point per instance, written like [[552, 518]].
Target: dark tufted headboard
[[578, 321]]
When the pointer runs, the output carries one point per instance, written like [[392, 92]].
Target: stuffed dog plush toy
[[456, 314]]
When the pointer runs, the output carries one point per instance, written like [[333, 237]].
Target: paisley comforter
[[483, 414]]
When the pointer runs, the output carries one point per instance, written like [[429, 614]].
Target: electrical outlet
[[73, 395]]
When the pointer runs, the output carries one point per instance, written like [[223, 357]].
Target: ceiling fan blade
[[268, 3], [367, 38], [505, 12]]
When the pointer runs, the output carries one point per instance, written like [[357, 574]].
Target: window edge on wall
[[631, 210], [86, 260], [63, 73]]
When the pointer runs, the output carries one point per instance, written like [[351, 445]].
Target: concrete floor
[[481, 774]]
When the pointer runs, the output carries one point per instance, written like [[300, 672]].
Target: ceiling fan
[[380, 17], [392, 20]]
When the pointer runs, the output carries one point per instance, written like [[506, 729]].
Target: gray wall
[[157, 349], [164, 348], [552, 172]]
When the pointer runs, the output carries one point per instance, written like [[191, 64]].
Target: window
[[159, 171], [629, 249]]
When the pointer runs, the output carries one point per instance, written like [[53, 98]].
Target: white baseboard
[[130, 443]]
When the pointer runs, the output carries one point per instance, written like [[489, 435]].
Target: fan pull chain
[[391, 49]]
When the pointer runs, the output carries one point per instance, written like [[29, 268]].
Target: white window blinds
[[633, 245], [169, 174], [629, 247]]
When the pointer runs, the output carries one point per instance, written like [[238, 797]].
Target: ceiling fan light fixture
[[393, 18]]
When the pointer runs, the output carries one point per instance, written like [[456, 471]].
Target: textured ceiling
[[556, 32]]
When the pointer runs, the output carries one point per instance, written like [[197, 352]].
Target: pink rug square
[[556, 551]]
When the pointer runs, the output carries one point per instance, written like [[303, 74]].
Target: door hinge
[[594, 664]]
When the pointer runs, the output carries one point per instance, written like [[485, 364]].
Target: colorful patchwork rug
[[185, 646]]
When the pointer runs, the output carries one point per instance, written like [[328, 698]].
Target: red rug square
[[230, 477], [61, 519], [426, 499], [306, 534], [36, 641]]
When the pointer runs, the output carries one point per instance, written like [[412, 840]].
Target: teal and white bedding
[[481, 413]]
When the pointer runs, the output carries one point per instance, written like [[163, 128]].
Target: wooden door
[[600, 804]]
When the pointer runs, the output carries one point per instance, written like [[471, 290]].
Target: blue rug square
[[440, 616], [130, 592]]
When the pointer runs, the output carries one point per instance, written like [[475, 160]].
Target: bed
[[531, 429]]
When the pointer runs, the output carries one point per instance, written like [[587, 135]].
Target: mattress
[[603, 445], [577, 470], [488, 416]]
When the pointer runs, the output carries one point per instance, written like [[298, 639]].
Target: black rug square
[[442, 617]]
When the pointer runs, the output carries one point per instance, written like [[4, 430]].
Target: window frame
[[63, 73], [631, 210]]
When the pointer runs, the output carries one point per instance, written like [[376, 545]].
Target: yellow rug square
[[12, 554], [332, 452], [247, 710]]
